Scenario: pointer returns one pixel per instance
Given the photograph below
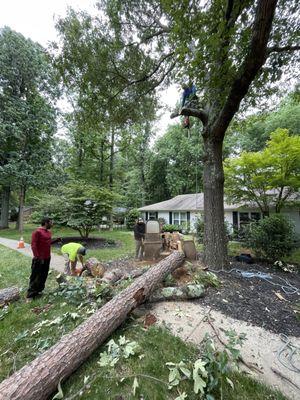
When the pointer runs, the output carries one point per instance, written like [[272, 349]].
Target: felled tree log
[[186, 292], [94, 267], [9, 294], [39, 379]]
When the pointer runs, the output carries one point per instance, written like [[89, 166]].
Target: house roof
[[184, 202]]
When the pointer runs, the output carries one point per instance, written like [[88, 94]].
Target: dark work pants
[[39, 273]]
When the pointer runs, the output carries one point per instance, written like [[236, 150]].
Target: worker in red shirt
[[41, 247]]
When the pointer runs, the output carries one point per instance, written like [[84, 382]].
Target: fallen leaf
[[280, 296], [150, 319]]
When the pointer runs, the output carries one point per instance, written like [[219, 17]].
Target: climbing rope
[[287, 287], [286, 354]]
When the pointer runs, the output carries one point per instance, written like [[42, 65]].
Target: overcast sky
[[35, 19]]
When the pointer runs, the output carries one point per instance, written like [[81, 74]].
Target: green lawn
[[22, 339], [124, 240]]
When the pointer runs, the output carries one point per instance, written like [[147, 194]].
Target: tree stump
[[39, 379]]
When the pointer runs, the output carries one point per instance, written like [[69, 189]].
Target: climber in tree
[[189, 94], [189, 99]]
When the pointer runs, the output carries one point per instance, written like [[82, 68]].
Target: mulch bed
[[249, 299], [253, 299], [90, 243]]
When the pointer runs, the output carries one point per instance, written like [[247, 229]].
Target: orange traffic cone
[[21, 244]]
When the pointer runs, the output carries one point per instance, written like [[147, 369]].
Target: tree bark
[[39, 379], [187, 292], [216, 122], [20, 221], [215, 241], [111, 159], [101, 163], [9, 294], [4, 207]]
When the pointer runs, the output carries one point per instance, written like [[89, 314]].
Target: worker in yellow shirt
[[73, 252]]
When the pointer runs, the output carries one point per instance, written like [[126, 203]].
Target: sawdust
[[187, 320]]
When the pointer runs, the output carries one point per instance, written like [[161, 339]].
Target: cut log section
[[187, 292], [39, 379], [9, 294]]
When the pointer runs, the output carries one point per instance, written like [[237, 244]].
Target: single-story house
[[184, 210]]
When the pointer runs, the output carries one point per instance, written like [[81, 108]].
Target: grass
[[124, 240], [21, 341]]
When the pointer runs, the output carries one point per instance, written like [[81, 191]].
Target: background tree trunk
[[38, 379], [20, 220], [4, 207], [101, 163], [111, 159], [215, 241]]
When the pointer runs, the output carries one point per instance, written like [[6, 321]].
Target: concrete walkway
[[57, 262], [187, 320]]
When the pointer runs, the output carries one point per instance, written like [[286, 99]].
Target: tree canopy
[[269, 178], [234, 51], [28, 89]]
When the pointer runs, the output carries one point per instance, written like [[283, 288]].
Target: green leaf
[[198, 371], [230, 382], [59, 395], [185, 371], [135, 386], [182, 396]]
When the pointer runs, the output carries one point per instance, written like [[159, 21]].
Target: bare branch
[[192, 112], [154, 34], [164, 75], [278, 49], [146, 77]]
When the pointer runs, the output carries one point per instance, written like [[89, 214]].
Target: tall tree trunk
[[4, 207], [111, 159], [215, 241], [20, 221], [101, 169], [38, 379], [80, 152]]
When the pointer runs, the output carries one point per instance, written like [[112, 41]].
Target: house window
[[255, 216], [247, 217], [244, 218], [152, 215], [180, 218]]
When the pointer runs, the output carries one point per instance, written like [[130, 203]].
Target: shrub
[[131, 217], [78, 205], [50, 205], [271, 237], [199, 227], [171, 228]]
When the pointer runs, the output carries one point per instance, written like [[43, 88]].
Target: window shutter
[[235, 219], [170, 217], [188, 216], [156, 214], [146, 215]]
